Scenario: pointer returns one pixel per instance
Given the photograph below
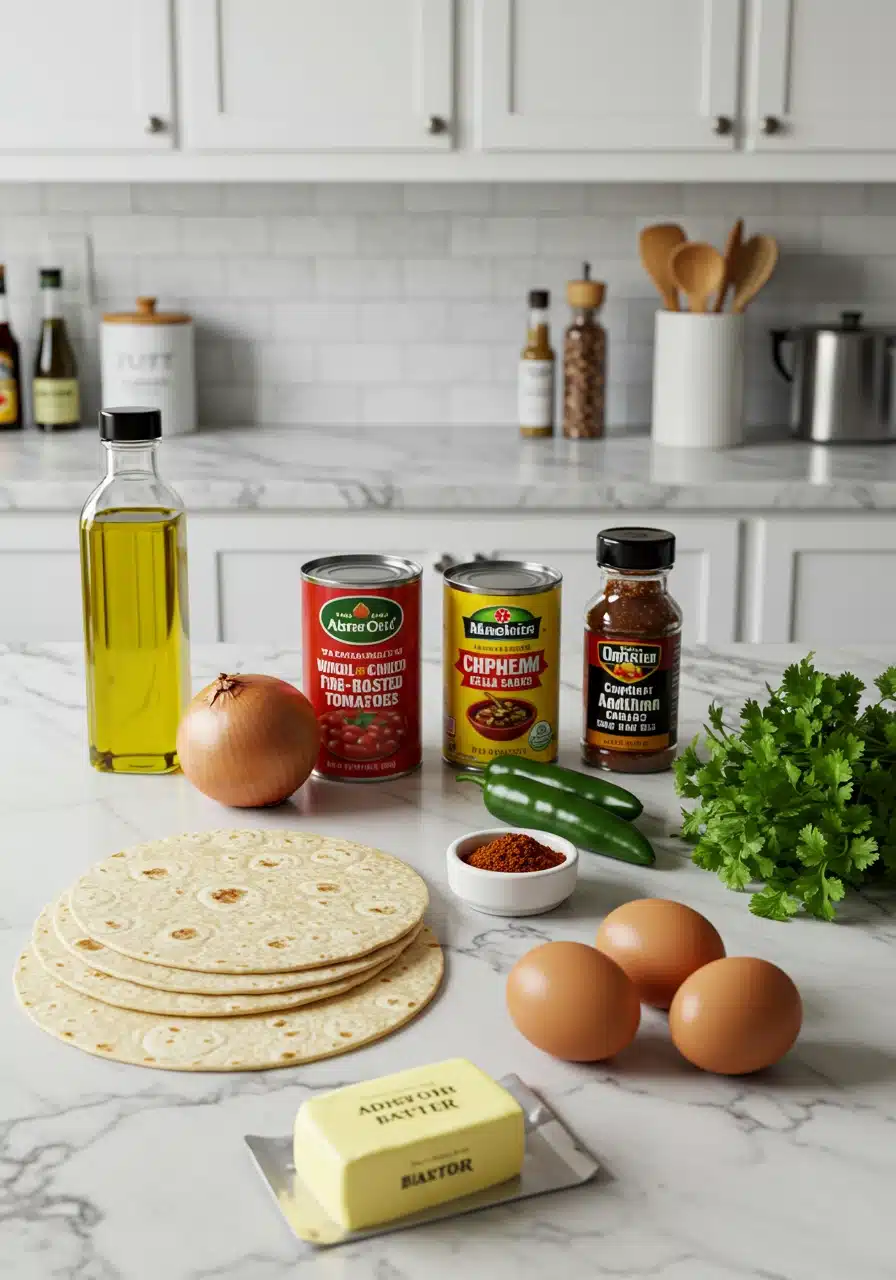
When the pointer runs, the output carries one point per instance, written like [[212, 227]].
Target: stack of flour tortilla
[[232, 951]]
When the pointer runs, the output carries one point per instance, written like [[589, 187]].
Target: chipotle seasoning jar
[[632, 655]]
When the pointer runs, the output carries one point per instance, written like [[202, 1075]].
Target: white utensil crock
[[698, 380], [147, 358]]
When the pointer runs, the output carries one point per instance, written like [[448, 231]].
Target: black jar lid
[[636, 549], [539, 299], [131, 424]]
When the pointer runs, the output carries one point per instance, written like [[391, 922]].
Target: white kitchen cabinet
[[91, 76], [600, 75], [824, 580], [299, 75], [40, 578], [824, 76]]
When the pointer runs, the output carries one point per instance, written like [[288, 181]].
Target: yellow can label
[[501, 676]]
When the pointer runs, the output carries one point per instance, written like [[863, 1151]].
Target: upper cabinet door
[[317, 75], [607, 75], [91, 75], [824, 76]]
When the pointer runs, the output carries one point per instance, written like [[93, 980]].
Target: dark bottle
[[56, 399], [10, 384]]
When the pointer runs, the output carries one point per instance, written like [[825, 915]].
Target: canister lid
[[586, 293], [131, 424], [359, 571], [636, 549], [503, 577], [146, 314]]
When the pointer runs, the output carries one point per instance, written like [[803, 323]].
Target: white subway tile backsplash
[[304, 237], [337, 303], [358, 363], [203, 236], [493, 237]]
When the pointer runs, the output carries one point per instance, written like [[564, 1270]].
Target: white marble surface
[[433, 468], [110, 1172]]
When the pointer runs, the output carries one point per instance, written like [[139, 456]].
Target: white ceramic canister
[[698, 380], [147, 358]]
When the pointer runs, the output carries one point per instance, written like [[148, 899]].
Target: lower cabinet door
[[40, 579]]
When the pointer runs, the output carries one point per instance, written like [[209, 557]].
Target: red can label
[[361, 660]]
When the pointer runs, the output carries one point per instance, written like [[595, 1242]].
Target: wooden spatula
[[656, 244], [698, 270], [732, 246], [756, 260]]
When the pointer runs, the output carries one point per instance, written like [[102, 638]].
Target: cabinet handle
[[436, 125], [445, 561], [722, 126], [771, 125], [155, 124]]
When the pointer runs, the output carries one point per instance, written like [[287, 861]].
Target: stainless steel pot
[[842, 380]]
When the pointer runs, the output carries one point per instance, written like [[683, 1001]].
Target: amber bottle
[[632, 655]]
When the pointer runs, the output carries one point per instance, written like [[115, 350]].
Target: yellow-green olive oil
[[134, 582]]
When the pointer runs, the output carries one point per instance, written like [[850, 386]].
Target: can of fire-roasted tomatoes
[[501, 662], [361, 664]]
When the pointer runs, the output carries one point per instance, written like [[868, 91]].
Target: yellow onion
[[248, 740]]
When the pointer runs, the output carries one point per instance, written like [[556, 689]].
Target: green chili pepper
[[605, 794], [522, 803]]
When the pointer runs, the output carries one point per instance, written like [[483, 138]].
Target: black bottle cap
[[131, 425], [50, 278], [539, 299], [636, 549]]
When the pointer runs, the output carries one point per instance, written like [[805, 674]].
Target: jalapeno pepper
[[605, 794], [520, 802]]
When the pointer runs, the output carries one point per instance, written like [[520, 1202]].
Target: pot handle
[[779, 337]]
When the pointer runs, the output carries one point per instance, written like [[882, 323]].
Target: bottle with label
[[632, 655], [134, 586], [56, 402], [584, 360], [536, 373], [10, 384]]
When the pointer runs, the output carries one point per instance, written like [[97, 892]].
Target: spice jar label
[[631, 701]]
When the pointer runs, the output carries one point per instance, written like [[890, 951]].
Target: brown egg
[[573, 1002], [736, 1015], [658, 943]]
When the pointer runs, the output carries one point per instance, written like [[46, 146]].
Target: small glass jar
[[632, 655]]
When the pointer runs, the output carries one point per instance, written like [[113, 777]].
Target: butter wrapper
[[554, 1160]]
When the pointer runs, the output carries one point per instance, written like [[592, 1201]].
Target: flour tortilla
[[248, 901], [256, 1043], [74, 973], [114, 965]]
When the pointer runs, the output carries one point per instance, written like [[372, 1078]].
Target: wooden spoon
[[755, 262], [698, 270], [732, 247], [656, 244]]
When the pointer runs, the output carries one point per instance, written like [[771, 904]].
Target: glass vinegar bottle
[[134, 586]]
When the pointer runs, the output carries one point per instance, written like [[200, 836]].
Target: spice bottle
[[134, 584], [632, 655], [536, 372], [584, 360]]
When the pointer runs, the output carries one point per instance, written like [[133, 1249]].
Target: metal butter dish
[[554, 1160]]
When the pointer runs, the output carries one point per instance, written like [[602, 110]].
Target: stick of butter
[[379, 1150]]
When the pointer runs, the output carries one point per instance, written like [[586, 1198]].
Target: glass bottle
[[632, 655], [10, 383], [134, 585], [56, 400], [584, 360], [536, 371]]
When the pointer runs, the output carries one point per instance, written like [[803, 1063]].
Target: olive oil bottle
[[134, 584], [10, 385], [56, 399]]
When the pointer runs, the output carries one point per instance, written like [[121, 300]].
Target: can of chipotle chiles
[[361, 664], [501, 662]]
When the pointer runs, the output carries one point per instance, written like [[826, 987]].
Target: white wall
[[342, 303]]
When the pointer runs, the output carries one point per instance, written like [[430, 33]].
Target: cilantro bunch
[[803, 798]]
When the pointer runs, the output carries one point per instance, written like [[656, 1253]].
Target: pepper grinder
[[584, 360]]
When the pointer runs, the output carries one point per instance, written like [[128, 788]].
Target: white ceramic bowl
[[512, 893]]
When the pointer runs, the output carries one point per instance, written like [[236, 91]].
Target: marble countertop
[[112, 1172], [442, 469]]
